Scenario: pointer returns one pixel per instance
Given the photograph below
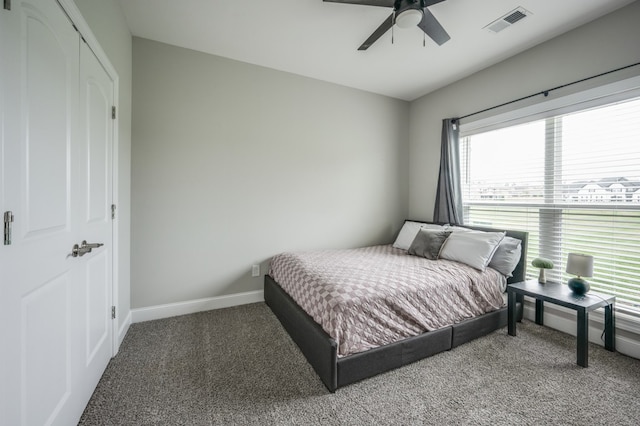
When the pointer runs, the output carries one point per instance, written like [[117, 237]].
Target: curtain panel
[[448, 205]]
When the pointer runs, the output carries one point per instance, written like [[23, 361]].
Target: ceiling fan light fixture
[[409, 18]]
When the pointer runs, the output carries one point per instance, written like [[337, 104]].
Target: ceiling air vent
[[507, 20]]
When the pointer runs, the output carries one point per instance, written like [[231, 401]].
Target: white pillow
[[409, 231], [456, 228], [507, 256], [474, 248]]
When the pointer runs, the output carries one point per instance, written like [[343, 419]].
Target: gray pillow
[[409, 231], [507, 256], [428, 243]]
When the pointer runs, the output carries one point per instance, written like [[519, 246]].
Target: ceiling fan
[[406, 13]]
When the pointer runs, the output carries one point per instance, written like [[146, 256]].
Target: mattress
[[372, 296]]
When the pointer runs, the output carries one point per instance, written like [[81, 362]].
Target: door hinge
[[113, 211], [7, 4], [113, 312], [8, 220], [113, 112]]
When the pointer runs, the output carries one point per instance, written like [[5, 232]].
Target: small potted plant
[[542, 263]]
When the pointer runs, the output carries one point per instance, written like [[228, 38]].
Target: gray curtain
[[448, 207]]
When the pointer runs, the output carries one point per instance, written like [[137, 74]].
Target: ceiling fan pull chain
[[393, 24]]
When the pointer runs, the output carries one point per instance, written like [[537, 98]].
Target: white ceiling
[[320, 40]]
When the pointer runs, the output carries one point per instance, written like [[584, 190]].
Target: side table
[[561, 295]]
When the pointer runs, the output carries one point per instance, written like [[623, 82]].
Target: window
[[573, 181]]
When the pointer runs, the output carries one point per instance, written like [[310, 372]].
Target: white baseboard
[[564, 320], [192, 306], [123, 329]]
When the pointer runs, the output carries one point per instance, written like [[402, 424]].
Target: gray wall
[[233, 163], [107, 22], [610, 42]]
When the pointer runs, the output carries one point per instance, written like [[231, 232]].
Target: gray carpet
[[238, 366]]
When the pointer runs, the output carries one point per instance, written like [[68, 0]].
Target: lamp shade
[[580, 265], [409, 18]]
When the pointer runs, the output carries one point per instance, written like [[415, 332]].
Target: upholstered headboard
[[519, 274]]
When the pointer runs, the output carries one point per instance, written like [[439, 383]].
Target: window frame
[[587, 99]]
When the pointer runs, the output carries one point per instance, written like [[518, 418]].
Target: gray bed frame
[[321, 350]]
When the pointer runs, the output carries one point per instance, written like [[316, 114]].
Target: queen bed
[[360, 312]]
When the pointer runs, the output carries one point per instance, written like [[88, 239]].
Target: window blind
[[573, 182]]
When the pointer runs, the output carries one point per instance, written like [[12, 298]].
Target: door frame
[[81, 25]]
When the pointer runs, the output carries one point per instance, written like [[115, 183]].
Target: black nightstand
[[561, 295]]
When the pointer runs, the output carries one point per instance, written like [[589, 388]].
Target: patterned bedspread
[[368, 297]]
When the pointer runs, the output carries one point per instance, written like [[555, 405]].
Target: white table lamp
[[580, 265]]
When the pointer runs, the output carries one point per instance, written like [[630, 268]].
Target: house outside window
[[573, 181]]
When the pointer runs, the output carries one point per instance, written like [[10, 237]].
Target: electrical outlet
[[255, 270]]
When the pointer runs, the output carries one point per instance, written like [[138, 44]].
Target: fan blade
[[428, 3], [381, 3], [383, 28], [432, 28]]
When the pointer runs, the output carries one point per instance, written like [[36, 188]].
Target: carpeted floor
[[238, 366]]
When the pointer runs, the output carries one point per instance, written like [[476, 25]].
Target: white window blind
[[573, 182]]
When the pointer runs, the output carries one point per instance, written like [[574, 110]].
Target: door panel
[[97, 315], [95, 147], [98, 135], [45, 311], [46, 116], [40, 290]]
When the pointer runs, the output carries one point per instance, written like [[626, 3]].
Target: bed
[[344, 360]]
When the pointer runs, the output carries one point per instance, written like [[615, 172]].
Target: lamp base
[[578, 285]]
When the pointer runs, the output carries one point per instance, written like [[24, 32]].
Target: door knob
[[91, 245], [84, 248], [80, 250]]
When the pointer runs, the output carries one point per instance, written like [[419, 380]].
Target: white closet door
[[95, 175], [52, 327]]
